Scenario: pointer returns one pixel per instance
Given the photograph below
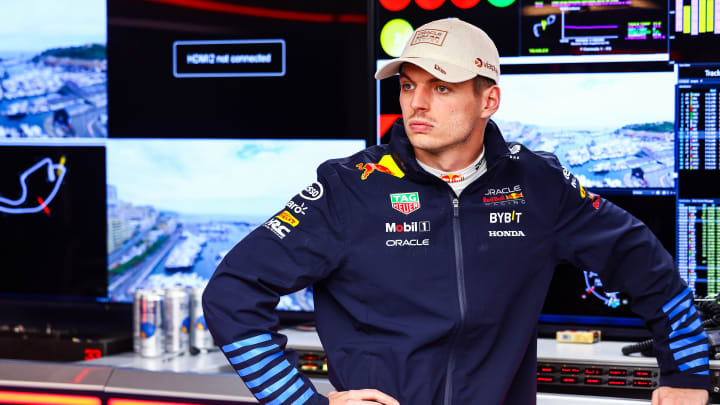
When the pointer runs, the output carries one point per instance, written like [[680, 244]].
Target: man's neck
[[449, 160]]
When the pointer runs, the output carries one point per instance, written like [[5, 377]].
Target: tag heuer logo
[[405, 202]]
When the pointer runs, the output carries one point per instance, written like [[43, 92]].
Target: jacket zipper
[[462, 299]]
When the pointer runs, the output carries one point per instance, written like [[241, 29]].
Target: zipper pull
[[456, 207]]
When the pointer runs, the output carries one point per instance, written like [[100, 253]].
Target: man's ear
[[491, 101]]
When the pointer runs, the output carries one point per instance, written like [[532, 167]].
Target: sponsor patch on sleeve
[[313, 192], [276, 226], [288, 218], [575, 183]]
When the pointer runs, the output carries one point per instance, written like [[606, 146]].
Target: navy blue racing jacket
[[433, 298]]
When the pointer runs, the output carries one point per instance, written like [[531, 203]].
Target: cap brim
[[442, 70]]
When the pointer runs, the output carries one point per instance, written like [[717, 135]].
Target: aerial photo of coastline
[[175, 226], [53, 72], [612, 130]]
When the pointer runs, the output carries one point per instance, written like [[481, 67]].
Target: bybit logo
[[505, 217]]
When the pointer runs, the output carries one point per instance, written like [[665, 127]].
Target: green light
[[394, 35], [501, 3]]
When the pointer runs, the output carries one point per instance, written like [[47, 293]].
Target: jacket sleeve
[[298, 246], [597, 235]]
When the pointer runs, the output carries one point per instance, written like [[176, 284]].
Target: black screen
[[52, 216], [239, 70]]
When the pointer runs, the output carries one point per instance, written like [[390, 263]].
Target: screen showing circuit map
[[52, 204]]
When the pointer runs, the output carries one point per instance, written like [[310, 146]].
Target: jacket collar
[[404, 155]]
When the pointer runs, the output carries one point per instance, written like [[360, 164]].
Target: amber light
[[33, 398], [120, 401]]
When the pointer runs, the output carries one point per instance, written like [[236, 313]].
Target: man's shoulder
[[371, 154], [535, 159]]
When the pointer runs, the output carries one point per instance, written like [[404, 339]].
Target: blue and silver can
[[148, 321], [177, 320], [200, 338]]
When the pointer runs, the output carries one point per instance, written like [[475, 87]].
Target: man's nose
[[421, 98]]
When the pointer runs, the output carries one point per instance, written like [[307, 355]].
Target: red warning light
[[465, 3], [394, 5], [429, 4], [92, 354]]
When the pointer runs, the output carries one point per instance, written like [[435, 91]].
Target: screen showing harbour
[[176, 207], [53, 71], [612, 130]]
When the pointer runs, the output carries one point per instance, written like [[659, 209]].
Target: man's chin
[[418, 135], [423, 142]]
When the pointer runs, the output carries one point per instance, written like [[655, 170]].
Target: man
[[431, 256]]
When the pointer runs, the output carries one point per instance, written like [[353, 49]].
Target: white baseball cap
[[449, 49]]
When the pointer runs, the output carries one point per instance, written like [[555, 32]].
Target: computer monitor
[[53, 70], [176, 207], [279, 70], [52, 216]]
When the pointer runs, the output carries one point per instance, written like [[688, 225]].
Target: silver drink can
[[200, 337], [148, 333], [177, 320]]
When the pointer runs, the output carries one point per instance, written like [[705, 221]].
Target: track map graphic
[[39, 195]]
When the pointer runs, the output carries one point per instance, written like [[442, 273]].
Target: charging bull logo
[[200, 323], [147, 330], [386, 165]]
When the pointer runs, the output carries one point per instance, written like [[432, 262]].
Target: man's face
[[440, 116]]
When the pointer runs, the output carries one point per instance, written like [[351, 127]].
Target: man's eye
[[406, 86], [443, 89]]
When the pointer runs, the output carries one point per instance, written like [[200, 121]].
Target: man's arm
[[301, 244], [597, 235]]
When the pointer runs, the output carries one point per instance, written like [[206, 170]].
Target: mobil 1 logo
[[415, 226]]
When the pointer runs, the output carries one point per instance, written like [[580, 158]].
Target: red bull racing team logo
[[405, 202], [504, 195], [386, 165]]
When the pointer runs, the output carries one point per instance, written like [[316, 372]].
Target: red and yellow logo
[[288, 218], [386, 165], [452, 178]]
